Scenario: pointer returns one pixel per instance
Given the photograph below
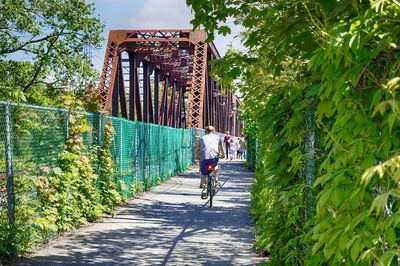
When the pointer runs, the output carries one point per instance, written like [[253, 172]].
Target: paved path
[[169, 225]]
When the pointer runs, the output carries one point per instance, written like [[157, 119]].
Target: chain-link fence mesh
[[251, 153], [144, 154]]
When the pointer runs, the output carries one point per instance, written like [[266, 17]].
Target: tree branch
[[39, 69], [23, 45]]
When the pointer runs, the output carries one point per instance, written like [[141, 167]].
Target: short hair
[[209, 129]]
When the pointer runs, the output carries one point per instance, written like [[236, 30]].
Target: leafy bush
[[75, 196], [337, 203], [137, 188]]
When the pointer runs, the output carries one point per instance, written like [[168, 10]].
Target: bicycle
[[209, 190]]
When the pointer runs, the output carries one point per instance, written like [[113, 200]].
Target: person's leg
[[216, 168], [202, 180], [216, 173], [227, 151], [203, 167]]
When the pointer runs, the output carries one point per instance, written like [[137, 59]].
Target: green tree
[[15, 73], [53, 34]]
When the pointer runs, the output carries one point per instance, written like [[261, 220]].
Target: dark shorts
[[203, 165]]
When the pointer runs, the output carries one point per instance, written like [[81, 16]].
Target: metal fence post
[[143, 153], [309, 160], [310, 164], [66, 120], [99, 119], [149, 145], [99, 128], [120, 148], [193, 145], [146, 165], [10, 182]]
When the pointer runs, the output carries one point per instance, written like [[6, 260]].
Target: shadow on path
[[167, 226]]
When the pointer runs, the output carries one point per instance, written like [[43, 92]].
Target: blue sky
[[149, 14]]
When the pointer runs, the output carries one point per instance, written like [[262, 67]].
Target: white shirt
[[209, 146]]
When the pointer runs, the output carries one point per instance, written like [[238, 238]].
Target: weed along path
[[169, 225]]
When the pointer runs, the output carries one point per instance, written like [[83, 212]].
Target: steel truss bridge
[[163, 77]]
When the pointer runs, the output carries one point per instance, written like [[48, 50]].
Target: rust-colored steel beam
[[171, 112], [156, 95], [121, 90], [146, 92], [163, 120], [195, 116], [164, 74], [179, 103]]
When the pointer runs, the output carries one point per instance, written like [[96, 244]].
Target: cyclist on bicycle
[[211, 149]]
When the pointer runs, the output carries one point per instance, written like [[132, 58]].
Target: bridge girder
[[163, 76]]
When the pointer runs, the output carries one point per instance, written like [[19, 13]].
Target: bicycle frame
[[211, 179]]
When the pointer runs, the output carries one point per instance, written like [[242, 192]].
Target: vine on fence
[[109, 195], [64, 171], [75, 196]]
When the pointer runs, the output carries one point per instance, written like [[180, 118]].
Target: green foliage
[[344, 58], [33, 223], [108, 193], [52, 35], [13, 76], [75, 196], [92, 100], [49, 200], [137, 188], [358, 200], [54, 152]]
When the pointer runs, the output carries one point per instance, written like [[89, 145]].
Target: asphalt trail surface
[[169, 225]]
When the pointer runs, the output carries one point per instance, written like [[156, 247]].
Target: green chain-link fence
[[252, 150], [32, 137]]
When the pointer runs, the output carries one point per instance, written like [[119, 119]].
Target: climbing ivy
[[75, 196], [108, 192], [342, 57]]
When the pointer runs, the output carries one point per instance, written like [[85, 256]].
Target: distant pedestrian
[[226, 142], [238, 153], [232, 149], [243, 147]]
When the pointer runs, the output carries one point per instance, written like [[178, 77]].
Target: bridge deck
[[169, 225]]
